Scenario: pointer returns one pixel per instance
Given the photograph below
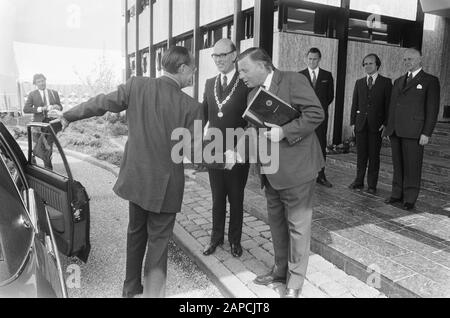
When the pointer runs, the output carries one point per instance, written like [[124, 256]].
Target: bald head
[[412, 59], [224, 55]]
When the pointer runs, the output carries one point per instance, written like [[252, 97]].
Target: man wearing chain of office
[[224, 102]]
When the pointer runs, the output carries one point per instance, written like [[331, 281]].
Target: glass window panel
[[405, 9], [334, 3], [45, 154]]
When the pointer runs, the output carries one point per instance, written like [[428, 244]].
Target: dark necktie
[[224, 83], [44, 99], [370, 82], [314, 79], [409, 78]]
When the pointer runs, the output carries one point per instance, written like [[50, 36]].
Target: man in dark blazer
[[323, 84], [39, 103], [149, 178], [289, 189], [413, 114], [368, 119], [224, 102]]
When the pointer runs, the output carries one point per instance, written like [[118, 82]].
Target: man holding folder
[[289, 190]]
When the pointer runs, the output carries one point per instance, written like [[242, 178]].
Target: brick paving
[[323, 278]]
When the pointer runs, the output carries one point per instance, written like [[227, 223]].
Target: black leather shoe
[[408, 206], [211, 248], [324, 182], [355, 186], [268, 279], [372, 191], [236, 250], [292, 293], [392, 200]]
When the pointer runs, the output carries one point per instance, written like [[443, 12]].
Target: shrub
[[114, 157], [118, 129]]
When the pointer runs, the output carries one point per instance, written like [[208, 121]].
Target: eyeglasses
[[221, 56], [365, 64]]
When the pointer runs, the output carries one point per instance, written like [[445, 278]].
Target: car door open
[[48, 173]]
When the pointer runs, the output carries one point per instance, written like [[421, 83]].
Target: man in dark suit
[[323, 84], [413, 115], [289, 189], [224, 102], [149, 178], [39, 103], [368, 119]]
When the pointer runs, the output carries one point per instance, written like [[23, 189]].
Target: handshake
[[231, 158]]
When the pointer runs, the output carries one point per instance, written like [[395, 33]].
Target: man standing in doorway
[[224, 102], [323, 84], [413, 114], [368, 120]]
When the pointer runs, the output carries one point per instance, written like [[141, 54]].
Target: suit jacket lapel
[[308, 76], [276, 79], [39, 96], [365, 87], [412, 82]]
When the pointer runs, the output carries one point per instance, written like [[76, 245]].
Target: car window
[[13, 169], [16, 230], [45, 154]]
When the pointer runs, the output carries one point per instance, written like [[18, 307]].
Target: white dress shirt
[[230, 76], [415, 72], [268, 80], [374, 77], [312, 72]]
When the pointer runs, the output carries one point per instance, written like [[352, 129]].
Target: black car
[[43, 212]]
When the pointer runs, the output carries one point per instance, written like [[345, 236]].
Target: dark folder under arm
[[269, 108]]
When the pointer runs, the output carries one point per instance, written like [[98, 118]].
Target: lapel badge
[[419, 86], [269, 103]]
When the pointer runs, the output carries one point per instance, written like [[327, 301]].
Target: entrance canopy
[[437, 7]]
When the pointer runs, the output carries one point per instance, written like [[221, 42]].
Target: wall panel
[[144, 29], [212, 10], [160, 21], [183, 16], [289, 55]]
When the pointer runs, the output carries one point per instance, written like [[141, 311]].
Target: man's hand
[[275, 134], [59, 118], [424, 140], [230, 159]]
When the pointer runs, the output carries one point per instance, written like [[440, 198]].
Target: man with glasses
[[368, 120], [149, 179], [224, 102]]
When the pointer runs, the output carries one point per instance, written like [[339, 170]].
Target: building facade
[[344, 30]]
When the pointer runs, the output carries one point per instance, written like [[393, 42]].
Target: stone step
[[440, 150], [430, 179], [443, 127], [433, 164], [360, 234]]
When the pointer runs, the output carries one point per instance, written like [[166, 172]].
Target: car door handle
[[24, 222]]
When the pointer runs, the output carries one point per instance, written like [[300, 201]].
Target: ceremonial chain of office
[[219, 104]]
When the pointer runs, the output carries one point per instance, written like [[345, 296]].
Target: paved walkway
[[235, 275]]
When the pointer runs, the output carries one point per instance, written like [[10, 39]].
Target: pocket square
[[419, 86], [325, 81]]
